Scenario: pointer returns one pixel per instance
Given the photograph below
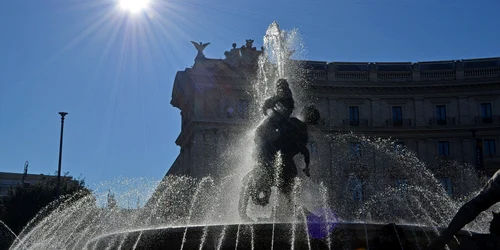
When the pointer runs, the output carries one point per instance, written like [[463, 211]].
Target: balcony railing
[[449, 121], [316, 74], [480, 73], [356, 123], [395, 76], [398, 123], [407, 72], [352, 76], [492, 120], [491, 158], [438, 75]]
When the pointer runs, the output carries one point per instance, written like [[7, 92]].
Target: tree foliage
[[24, 201]]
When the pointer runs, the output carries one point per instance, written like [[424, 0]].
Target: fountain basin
[[276, 236]]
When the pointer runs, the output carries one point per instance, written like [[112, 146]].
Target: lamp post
[[58, 187]]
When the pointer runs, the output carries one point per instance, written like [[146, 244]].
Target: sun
[[133, 6]]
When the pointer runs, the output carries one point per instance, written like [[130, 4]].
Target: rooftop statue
[[200, 47], [246, 55], [233, 56]]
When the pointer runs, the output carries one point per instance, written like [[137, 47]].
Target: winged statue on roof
[[200, 47]]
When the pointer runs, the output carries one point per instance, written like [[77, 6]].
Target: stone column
[[463, 111], [432, 153], [375, 119], [468, 149], [422, 150], [333, 113], [325, 110], [420, 119]]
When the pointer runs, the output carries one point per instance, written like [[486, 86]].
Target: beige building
[[10, 180], [440, 110]]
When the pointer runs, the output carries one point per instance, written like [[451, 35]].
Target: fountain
[[188, 213]]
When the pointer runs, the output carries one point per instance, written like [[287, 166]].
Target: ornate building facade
[[441, 110]]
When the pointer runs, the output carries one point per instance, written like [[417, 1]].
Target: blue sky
[[113, 72]]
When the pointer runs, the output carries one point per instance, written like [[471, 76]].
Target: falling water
[[304, 216], [191, 209], [185, 204], [252, 235], [279, 46], [8, 229], [273, 214], [221, 237], [203, 237], [295, 191], [328, 219], [397, 235], [237, 237], [366, 236]]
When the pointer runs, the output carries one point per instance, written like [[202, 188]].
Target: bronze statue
[[489, 241], [282, 103], [489, 195], [278, 133]]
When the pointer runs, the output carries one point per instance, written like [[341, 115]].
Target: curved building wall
[[445, 110]]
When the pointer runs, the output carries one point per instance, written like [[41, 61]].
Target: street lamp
[[58, 187]]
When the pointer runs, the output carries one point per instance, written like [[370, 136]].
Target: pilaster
[[333, 112], [463, 110], [422, 150], [375, 119], [419, 112]]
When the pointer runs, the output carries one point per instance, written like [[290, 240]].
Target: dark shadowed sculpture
[[489, 195], [489, 241], [278, 133]]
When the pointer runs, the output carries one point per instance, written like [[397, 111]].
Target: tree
[[24, 201]]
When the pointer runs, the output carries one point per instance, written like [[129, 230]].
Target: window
[[355, 185], [397, 116], [399, 147], [443, 148], [243, 109], [354, 116], [489, 147], [356, 149], [446, 183], [486, 114], [441, 115]]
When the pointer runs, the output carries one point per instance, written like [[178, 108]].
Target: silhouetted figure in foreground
[[278, 133], [489, 195], [282, 103], [489, 241]]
